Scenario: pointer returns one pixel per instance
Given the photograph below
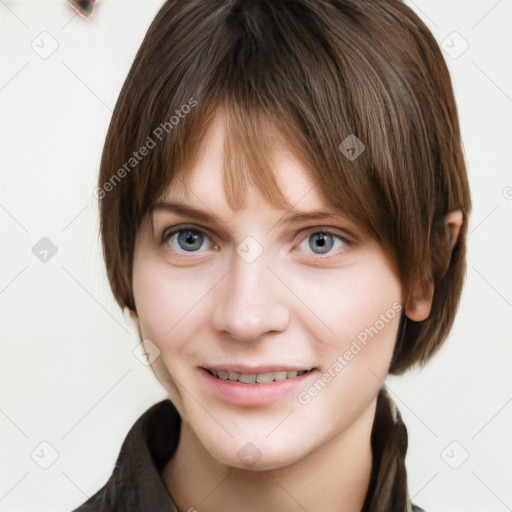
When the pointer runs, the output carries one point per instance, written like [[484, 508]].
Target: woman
[[284, 206]]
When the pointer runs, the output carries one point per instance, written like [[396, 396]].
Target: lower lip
[[254, 394]]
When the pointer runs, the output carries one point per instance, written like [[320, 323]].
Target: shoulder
[[415, 508], [135, 483]]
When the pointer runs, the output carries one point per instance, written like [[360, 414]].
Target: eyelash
[[166, 235]]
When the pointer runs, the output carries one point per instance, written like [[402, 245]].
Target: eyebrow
[[291, 217]]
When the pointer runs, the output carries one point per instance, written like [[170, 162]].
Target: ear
[[454, 220], [419, 302]]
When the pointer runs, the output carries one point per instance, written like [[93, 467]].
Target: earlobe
[[419, 301]]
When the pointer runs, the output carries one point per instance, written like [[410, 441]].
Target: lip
[[255, 394]]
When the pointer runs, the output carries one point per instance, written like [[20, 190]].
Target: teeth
[[260, 378], [264, 378], [247, 378]]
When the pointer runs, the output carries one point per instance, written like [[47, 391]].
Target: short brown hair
[[308, 74]]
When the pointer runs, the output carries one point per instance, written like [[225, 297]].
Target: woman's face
[[256, 295]]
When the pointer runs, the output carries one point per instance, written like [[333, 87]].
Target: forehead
[[204, 181]]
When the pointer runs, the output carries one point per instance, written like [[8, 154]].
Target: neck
[[334, 477]]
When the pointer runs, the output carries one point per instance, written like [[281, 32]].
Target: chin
[[259, 455]]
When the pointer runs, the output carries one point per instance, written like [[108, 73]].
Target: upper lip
[[262, 368]]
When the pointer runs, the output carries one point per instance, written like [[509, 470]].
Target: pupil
[[190, 239], [323, 242]]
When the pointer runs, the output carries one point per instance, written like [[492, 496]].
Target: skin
[[289, 306]]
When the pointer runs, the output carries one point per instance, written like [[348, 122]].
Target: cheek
[[169, 302], [372, 306], [363, 309], [152, 302], [355, 309]]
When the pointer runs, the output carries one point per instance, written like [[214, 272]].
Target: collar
[[136, 485]]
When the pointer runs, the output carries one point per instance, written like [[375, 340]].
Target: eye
[[321, 242], [187, 239]]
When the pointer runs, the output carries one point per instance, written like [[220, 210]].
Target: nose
[[250, 302]]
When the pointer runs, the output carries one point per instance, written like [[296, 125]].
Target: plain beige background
[[69, 377]]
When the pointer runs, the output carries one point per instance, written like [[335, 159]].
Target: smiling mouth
[[257, 378]]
